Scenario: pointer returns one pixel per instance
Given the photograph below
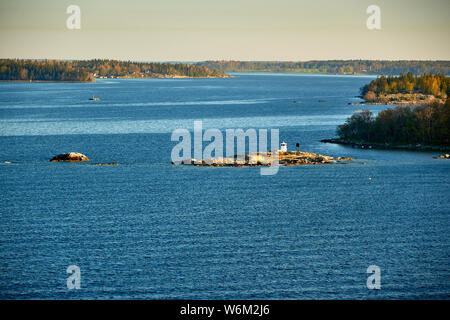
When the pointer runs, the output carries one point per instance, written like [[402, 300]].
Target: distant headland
[[349, 67], [88, 70], [416, 123], [406, 90]]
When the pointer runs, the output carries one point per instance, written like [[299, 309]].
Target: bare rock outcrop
[[443, 156], [69, 157], [285, 158]]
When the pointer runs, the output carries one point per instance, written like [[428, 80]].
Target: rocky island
[[442, 156], [406, 90], [69, 157], [258, 159]]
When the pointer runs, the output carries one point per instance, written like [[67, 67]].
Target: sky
[[198, 30]]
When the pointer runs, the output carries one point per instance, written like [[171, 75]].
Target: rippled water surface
[[148, 229]]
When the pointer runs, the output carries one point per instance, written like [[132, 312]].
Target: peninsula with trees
[[420, 122], [406, 90], [88, 70]]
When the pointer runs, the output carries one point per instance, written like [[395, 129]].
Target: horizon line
[[205, 60]]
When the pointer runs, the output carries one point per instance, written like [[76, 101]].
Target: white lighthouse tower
[[283, 147]]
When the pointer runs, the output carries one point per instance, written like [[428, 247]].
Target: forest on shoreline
[[359, 67], [88, 70], [437, 85], [426, 123], [402, 125]]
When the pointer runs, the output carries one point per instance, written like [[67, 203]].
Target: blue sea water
[[146, 229]]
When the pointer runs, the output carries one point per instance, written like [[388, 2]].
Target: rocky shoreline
[[442, 156], [400, 99], [365, 145], [286, 158]]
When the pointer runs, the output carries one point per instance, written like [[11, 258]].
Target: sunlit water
[[148, 229]]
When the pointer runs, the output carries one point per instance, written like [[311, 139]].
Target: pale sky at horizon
[[197, 30]]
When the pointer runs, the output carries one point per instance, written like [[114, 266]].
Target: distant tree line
[[114, 68], [46, 70], [437, 85], [333, 66], [87, 70], [426, 125]]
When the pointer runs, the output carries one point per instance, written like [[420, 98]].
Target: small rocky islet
[[442, 156], [77, 157], [69, 157], [258, 159]]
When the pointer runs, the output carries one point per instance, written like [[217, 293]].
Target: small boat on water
[[94, 99]]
